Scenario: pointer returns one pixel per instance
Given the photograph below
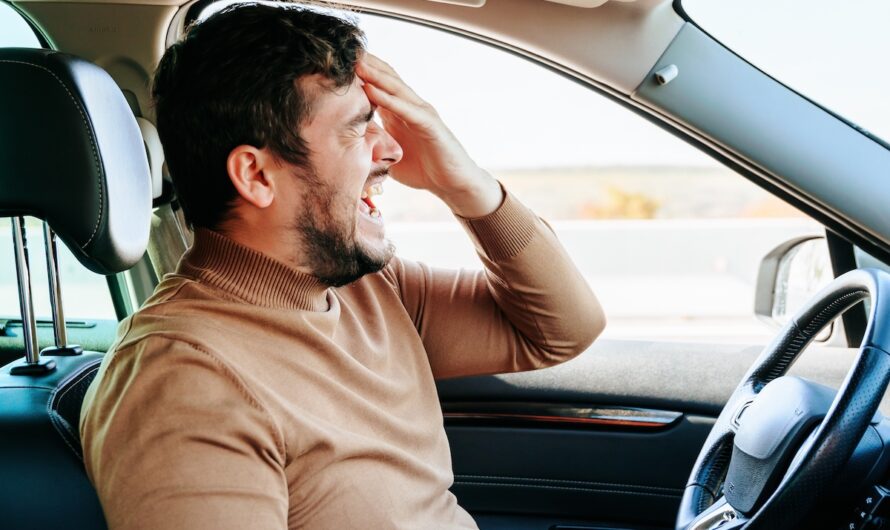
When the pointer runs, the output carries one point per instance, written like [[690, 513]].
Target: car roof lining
[[539, 28]]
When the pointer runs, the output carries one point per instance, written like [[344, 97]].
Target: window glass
[[832, 52], [14, 31], [84, 294], [670, 240]]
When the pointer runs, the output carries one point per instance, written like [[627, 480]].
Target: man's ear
[[246, 166]]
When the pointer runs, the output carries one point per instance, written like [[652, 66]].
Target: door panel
[[614, 475], [517, 465]]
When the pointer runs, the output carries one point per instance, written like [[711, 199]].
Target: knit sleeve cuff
[[505, 232]]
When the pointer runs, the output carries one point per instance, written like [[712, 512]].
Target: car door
[[671, 241]]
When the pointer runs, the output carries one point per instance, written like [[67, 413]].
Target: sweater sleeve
[[529, 308], [172, 439]]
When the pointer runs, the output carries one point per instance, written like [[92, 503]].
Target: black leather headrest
[[71, 154]]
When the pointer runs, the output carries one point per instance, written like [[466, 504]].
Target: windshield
[[832, 52]]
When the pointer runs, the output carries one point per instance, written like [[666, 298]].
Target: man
[[284, 375]]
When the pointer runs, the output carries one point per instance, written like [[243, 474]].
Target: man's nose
[[387, 149]]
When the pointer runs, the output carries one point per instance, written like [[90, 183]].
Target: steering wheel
[[780, 440]]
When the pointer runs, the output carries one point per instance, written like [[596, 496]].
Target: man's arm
[[528, 309], [172, 439]]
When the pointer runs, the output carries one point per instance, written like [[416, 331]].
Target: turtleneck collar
[[250, 275]]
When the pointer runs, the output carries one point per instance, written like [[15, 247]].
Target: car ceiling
[[622, 39]]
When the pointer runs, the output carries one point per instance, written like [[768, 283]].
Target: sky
[[516, 114], [511, 113]]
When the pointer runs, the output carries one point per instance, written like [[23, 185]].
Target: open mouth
[[366, 205]]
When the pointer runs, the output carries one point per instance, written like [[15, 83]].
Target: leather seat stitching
[[568, 481], [62, 425], [92, 140], [62, 429], [68, 382], [565, 488]]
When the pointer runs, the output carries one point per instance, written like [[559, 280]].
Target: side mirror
[[789, 275]]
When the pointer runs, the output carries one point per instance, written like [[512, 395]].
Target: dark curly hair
[[234, 80]]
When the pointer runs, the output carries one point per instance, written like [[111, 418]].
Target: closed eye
[[362, 120]]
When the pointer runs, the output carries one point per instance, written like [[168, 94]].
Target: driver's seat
[[71, 154]]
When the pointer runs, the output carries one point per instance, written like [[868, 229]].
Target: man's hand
[[433, 159]]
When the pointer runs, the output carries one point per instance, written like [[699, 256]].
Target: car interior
[[629, 435]]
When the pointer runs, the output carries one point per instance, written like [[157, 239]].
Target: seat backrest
[[44, 484], [71, 154]]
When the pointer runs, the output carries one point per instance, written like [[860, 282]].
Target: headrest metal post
[[55, 288], [55, 297], [26, 303], [32, 364]]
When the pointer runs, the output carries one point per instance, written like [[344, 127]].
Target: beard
[[327, 229]]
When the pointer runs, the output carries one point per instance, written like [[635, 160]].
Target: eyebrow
[[362, 118]]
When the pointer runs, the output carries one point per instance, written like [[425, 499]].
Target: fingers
[[408, 112], [385, 88], [372, 69], [377, 61], [389, 117]]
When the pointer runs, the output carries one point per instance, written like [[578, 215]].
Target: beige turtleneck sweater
[[245, 394]]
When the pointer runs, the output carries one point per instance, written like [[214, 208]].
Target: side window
[[14, 30], [85, 295], [670, 240]]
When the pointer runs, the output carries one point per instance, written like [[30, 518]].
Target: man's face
[[341, 233]]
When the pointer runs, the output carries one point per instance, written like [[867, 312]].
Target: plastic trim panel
[[816, 154]]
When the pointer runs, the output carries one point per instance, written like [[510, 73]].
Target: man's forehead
[[334, 103]]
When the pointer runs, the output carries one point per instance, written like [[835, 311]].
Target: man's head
[[268, 133]]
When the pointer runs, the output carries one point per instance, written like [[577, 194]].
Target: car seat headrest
[[71, 153]]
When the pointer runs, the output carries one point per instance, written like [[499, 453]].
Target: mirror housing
[[789, 275]]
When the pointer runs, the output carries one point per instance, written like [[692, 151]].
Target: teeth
[[370, 191]]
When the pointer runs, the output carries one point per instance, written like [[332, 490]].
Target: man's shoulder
[[171, 365], [177, 290], [184, 319], [179, 300], [151, 350], [171, 313]]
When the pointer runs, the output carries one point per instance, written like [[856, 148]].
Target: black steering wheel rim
[[842, 427]]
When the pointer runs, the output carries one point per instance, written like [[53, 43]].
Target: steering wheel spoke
[[720, 515], [766, 435]]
